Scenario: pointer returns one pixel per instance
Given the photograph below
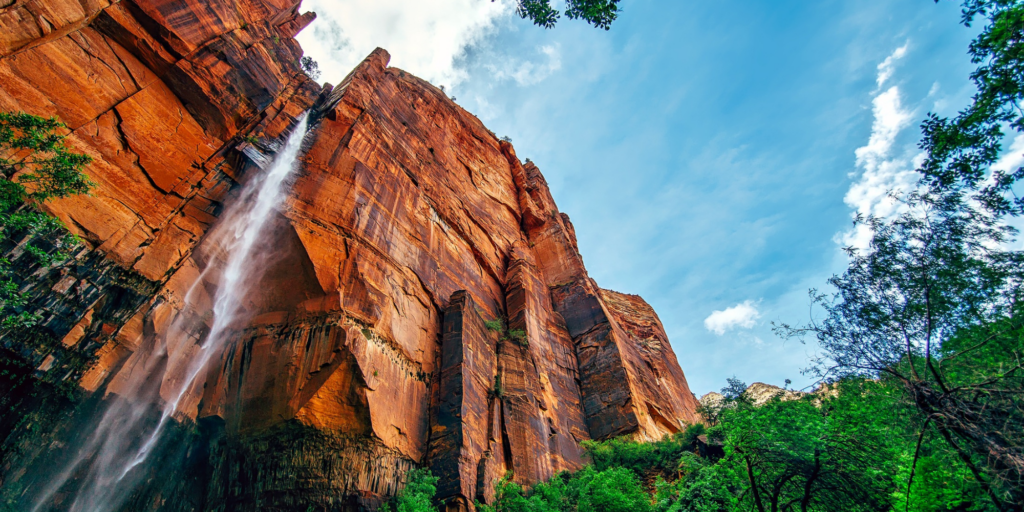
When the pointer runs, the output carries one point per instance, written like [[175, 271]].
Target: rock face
[[426, 304]]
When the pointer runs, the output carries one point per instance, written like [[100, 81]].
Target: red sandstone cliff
[[409, 225]]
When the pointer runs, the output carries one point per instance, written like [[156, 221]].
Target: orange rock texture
[[426, 303]]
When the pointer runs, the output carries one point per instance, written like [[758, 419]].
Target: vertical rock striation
[[409, 227]]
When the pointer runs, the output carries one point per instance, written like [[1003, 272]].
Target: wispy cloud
[[888, 66], [528, 72], [423, 37], [882, 170], [1013, 158], [743, 315]]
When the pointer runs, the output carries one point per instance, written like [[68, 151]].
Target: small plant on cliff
[[517, 335], [418, 494], [497, 325], [36, 166], [499, 389]]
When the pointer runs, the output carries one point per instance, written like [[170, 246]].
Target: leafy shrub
[[644, 458], [518, 336], [35, 166], [499, 389], [612, 490], [499, 326], [418, 494]]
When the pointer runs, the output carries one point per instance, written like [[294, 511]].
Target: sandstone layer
[[426, 304]]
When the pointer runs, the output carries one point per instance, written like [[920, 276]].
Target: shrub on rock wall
[[35, 166]]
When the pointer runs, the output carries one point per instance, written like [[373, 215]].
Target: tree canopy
[[599, 13]]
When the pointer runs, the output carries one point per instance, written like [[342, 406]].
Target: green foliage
[[643, 458], [612, 490], [35, 166], [499, 390], [847, 448], [735, 389], [33, 153], [702, 486], [599, 13], [815, 453], [517, 335], [497, 325], [418, 494]]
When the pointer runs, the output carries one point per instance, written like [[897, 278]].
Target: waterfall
[[127, 433]]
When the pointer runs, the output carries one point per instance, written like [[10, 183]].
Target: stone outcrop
[[426, 303], [757, 394]]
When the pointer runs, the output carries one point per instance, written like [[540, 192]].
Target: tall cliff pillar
[[461, 437], [538, 362]]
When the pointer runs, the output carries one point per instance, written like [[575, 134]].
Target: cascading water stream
[[126, 435]]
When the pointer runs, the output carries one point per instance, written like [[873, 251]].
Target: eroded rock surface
[[366, 351]]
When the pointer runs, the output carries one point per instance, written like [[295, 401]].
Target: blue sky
[[710, 154]]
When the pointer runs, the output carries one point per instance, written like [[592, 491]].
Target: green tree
[[813, 453], [599, 13], [701, 486], [934, 303], [644, 459], [35, 166], [735, 389], [417, 495], [310, 67]]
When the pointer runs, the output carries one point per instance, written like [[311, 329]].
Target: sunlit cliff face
[[310, 328]]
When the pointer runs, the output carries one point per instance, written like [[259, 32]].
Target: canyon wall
[[426, 304]]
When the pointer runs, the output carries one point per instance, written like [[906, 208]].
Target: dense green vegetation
[[850, 447], [855, 445], [35, 166], [417, 495]]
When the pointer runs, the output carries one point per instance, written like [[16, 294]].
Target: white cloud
[[1009, 162], [887, 67], [882, 172], [742, 315], [526, 72], [1013, 158], [423, 37]]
